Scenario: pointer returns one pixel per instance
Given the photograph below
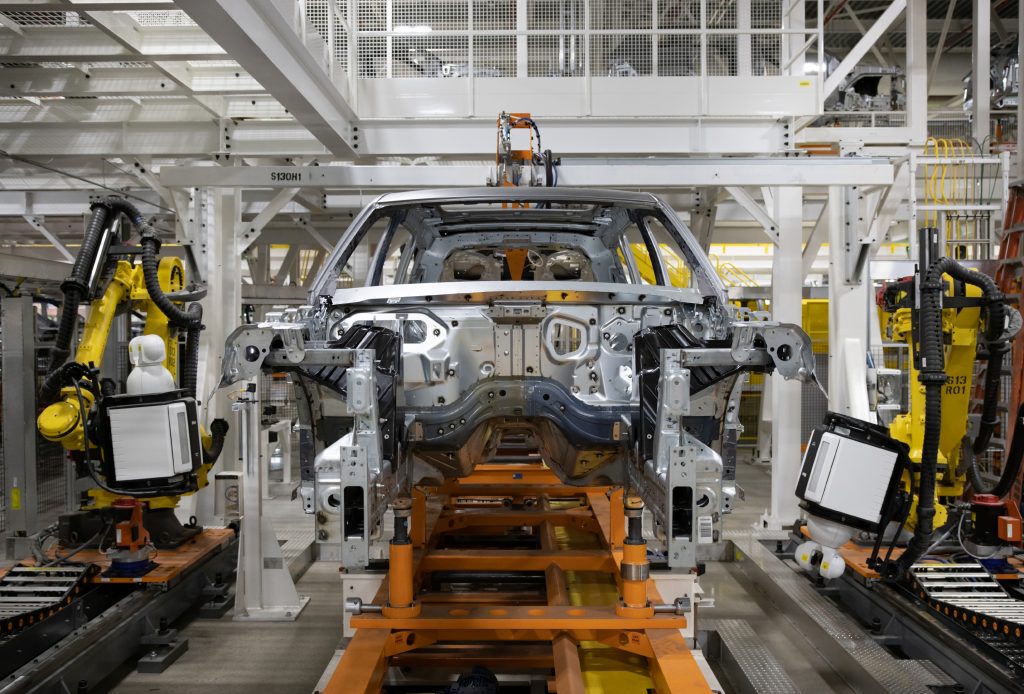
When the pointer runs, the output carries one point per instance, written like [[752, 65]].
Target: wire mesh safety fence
[[51, 464], [558, 38]]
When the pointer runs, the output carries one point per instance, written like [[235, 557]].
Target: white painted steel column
[[787, 297], [220, 211], [917, 71], [981, 63], [849, 304], [1020, 102]]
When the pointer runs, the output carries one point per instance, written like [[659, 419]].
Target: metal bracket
[[163, 648]]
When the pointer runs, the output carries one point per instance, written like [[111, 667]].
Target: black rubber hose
[[190, 319], [218, 433], [996, 348], [932, 376], [75, 289], [190, 365], [1011, 467]]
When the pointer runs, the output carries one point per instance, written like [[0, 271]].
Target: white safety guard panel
[[850, 477], [150, 441]]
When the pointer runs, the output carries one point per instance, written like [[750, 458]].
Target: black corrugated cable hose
[[218, 432], [933, 376], [75, 289], [191, 319]]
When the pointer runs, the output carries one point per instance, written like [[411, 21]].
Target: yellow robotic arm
[[960, 327], [62, 421], [83, 418]]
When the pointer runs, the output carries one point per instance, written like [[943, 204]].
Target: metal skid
[[463, 528]]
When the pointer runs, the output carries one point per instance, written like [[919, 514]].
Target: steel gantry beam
[[126, 32], [659, 174], [759, 213], [156, 128], [125, 81], [37, 224], [262, 39], [881, 25], [89, 44]]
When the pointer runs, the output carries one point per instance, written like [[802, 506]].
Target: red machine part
[[130, 534]]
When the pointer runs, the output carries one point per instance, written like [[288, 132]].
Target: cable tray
[[967, 593], [30, 594]]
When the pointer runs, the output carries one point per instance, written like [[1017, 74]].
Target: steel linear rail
[[96, 648]]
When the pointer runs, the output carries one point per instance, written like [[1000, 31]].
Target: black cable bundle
[[933, 376]]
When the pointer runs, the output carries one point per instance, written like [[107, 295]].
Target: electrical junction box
[[151, 437], [850, 472]]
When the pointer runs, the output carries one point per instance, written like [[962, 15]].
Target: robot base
[[166, 531]]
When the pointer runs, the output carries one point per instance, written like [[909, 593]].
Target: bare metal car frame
[[406, 384]]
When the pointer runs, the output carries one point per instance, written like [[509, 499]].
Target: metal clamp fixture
[[357, 606], [678, 606]]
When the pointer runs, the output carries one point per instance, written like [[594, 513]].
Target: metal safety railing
[[471, 39], [957, 187]]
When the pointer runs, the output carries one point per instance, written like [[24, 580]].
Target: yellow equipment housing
[[62, 421], [960, 327]]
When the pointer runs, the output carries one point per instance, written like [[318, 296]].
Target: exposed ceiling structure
[[103, 94]]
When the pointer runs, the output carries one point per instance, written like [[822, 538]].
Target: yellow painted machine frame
[[62, 421]]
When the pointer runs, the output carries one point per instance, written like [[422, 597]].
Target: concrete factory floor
[[226, 657]]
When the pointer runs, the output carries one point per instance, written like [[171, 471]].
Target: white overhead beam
[[37, 224], [887, 209], [89, 44], [47, 6], [314, 268], [136, 112], [263, 41], [305, 223], [863, 30], [760, 215], [288, 264], [32, 269], [814, 242], [125, 31], [857, 53], [175, 134], [249, 232], [842, 25], [682, 173], [124, 81], [9, 23]]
